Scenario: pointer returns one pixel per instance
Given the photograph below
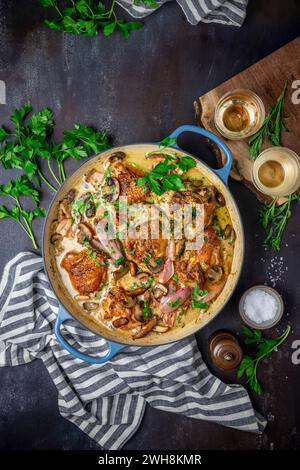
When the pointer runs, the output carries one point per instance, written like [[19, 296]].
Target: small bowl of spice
[[261, 307]]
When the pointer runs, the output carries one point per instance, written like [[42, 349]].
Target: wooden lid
[[225, 350]]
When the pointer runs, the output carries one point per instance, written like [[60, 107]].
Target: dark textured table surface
[[141, 89]]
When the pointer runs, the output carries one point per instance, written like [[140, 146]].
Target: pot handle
[[223, 172], [63, 316]]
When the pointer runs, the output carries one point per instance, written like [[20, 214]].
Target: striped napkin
[[108, 401], [230, 12]]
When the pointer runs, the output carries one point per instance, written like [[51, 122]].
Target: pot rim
[[201, 325]]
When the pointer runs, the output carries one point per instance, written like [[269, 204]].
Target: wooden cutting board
[[266, 78]]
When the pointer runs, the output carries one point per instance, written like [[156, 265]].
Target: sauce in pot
[[143, 286]]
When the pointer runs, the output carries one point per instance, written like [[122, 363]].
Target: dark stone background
[[141, 89]]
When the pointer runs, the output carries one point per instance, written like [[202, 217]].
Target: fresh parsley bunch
[[23, 147], [16, 189], [265, 347], [88, 17], [163, 177]]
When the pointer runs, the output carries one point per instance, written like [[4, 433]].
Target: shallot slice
[[109, 245], [167, 273], [171, 302]]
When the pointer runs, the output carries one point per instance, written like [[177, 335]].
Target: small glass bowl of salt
[[261, 307]]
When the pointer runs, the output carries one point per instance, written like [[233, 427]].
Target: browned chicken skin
[[193, 263], [86, 274], [127, 176]]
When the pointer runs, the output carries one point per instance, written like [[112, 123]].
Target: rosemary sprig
[[274, 219], [272, 126]]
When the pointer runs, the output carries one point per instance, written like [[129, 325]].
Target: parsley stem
[[23, 227], [46, 180], [52, 172], [281, 339], [63, 171], [27, 224]]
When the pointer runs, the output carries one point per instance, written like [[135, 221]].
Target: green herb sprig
[[265, 347], [22, 147], [88, 18], [274, 219], [272, 126], [16, 189], [163, 178]]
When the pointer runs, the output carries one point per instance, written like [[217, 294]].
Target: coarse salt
[[260, 306]]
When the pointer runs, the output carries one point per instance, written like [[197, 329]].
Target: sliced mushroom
[[116, 156], [90, 305], [64, 226], [214, 274], [132, 268], [91, 210], [84, 233], [155, 155], [129, 302], [64, 210], [229, 233], [70, 196], [119, 273], [207, 194], [138, 291], [196, 183], [138, 313], [143, 277], [55, 237], [159, 290], [154, 266], [94, 177], [160, 328], [111, 189], [81, 297], [120, 322], [145, 330], [220, 199]]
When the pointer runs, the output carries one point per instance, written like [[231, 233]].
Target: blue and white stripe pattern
[[108, 401], [230, 12]]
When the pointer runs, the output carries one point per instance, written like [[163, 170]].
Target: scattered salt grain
[[260, 306]]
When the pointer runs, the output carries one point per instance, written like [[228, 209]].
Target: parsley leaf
[[88, 18], [197, 297], [162, 177], [265, 347], [30, 141], [16, 189], [167, 142]]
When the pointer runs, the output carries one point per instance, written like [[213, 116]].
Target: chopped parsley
[[146, 310], [175, 277], [119, 260], [175, 304], [197, 297]]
